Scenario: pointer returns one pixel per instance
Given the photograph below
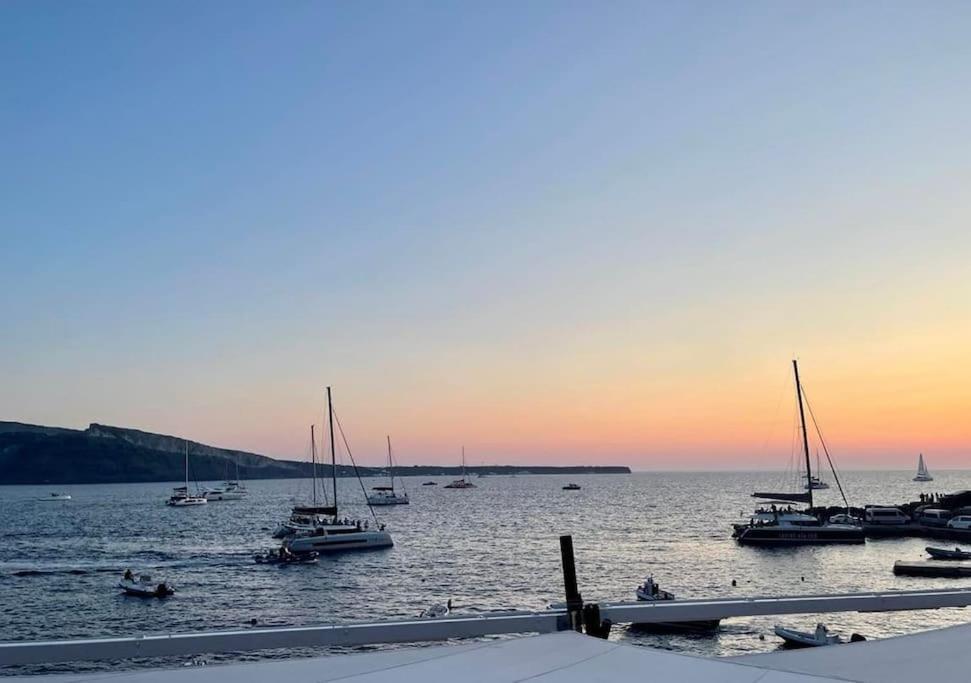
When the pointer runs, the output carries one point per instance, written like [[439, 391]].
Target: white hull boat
[[330, 539], [181, 497], [922, 473], [386, 495], [649, 591], [143, 587], [464, 482], [54, 497], [818, 638]]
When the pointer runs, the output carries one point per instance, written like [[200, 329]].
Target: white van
[[934, 517], [887, 516]]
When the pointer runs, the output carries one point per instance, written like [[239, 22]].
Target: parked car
[[934, 517], [960, 522], [884, 516]]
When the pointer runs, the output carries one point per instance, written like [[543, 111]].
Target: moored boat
[[779, 526], [946, 554], [56, 497], [649, 591], [386, 495], [464, 482], [333, 534], [182, 497], [571, 487], [818, 638]]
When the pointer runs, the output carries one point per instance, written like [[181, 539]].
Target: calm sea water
[[495, 546]]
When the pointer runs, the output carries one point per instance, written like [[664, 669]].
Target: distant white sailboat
[[464, 482], [386, 495], [922, 473], [181, 497]]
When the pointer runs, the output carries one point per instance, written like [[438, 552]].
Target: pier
[[499, 623]]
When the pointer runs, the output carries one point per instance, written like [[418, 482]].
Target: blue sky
[[472, 218]]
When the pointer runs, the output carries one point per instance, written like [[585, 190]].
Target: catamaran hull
[[769, 536], [334, 543]]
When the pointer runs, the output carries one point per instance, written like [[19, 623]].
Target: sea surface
[[492, 547]]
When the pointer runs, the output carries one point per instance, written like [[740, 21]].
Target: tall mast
[[333, 456], [187, 469], [805, 433], [313, 461], [463, 463], [390, 464]]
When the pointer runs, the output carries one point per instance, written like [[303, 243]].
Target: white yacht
[[56, 496], [386, 495], [464, 482], [181, 497], [336, 534], [922, 473]]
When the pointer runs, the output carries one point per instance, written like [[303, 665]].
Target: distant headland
[[101, 454]]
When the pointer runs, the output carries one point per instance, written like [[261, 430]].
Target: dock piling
[[574, 601]]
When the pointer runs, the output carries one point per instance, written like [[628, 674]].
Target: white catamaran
[[922, 473], [386, 495], [181, 497], [335, 534], [778, 525]]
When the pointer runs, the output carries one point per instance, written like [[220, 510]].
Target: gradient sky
[[553, 232]]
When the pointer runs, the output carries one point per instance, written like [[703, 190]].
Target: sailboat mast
[[805, 432], [313, 462], [186, 469], [463, 464], [333, 456], [390, 464]]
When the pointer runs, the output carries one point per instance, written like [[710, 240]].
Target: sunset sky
[[553, 232]]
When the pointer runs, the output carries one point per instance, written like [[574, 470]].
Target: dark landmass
[[100, 454]]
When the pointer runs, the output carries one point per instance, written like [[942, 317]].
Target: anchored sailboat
[[922, 473], [464, 482], [181, 497], [386, 495], [777, 526], [335, 534]]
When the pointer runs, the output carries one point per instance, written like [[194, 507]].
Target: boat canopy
[[314, 510], [784, 497], [382, 488]]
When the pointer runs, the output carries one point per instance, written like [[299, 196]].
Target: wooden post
[[574, 601]]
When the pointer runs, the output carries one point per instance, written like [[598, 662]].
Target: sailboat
[[181, 497], [231, 489], [464, 482], [815, 481], [335, 534], [778, 526], [922, 473], [305, 518], [386, 495]]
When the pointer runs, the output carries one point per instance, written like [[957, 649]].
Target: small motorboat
[[571, 487], [437, 611], [430, 483], [649, 591], [143, 586], [284, 557], [57, 496], [945, 554], [818, 638]]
